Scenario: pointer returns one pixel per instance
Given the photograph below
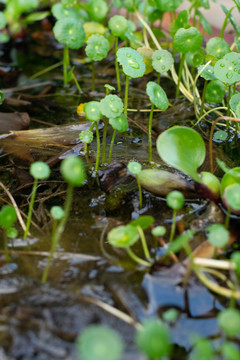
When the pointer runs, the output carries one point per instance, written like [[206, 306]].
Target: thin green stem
[[116, 65], [93, 76], [30, 210], [126, 95], [111, 146], [180, 74], [226, 22], [203, 97], [65, 64], [139, 191], [59, 231], [76, 83], [150, 134], [228, 100], [5, 240], [104, 140], [98, 148], [144, 244], [136, 258], [173, 226], [227, 219]]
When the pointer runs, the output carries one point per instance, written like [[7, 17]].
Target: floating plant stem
[[126, 95], [34, 190], [116, 65], [173, 228], [65, 64]]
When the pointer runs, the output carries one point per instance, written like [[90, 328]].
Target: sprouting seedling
[[118, 26], [111, 106], [98, 10], [93, 113], [231, 200], [120, 124], [158, 232], [185, 41], [97, 49], [8, 217], [162, 61], [39, 171], [57, 214], [175, 200], [109, 88], [93, 343], [217, 47], [69, 32], [153, 339], [86, 137], [218, 236], [125, 236], [159, 99], [133, 67], [73, 172], [135, 168]]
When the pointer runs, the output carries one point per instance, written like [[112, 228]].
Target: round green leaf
[[217, 47], [60, 12], [92, 111], [168, 5], [119, 123], [159, 231], [123, 236], [99, 342], [131, 61], [86, 136], [187, 40], [207, 73], [98, 10], [73, 171], [234, 101], [111, 106], [215, 92], [202, 349], [12, 233], [118, 25], [143, 221], [238, 110], [227, 69], [231, 197], [134, 167], [162, 60], [220, 135], [8, 216], [69, 3], [97, 47], [40, 170], [157, 95], [182, 148], [218, 235], [153, 339], [70, 32], [175, 200], [230, 178], [229, 321], [57, 212], [230, 351]]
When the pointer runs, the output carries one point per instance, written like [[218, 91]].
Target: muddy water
[[42, 321]]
